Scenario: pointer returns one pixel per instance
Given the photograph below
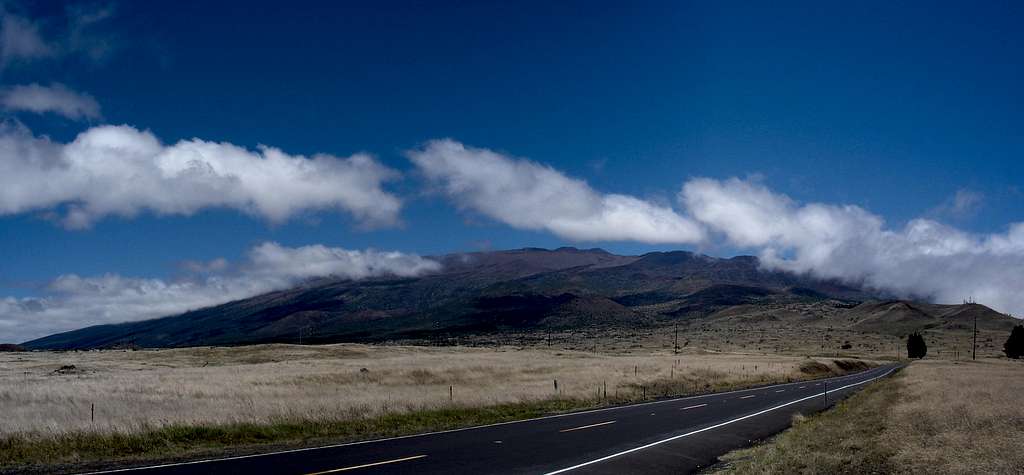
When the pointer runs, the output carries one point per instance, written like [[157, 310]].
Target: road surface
[[667, 436]]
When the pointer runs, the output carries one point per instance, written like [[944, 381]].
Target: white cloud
[[963, 204], [75, 302], [925, 258], [55, 98], [219, 264], [21, 40], [273, 261], [119, 170], [83, 36], [529, 195]]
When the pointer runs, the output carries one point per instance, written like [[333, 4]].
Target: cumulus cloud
[[274, 261], [924, 259], [122, 171], [73, 302], [529, 195], [55, 98]]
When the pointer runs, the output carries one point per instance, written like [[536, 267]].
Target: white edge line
[[748, 416], [588, 426], [371, 441], [367, 465]]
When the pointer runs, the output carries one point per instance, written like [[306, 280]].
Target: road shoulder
[[843, 439]]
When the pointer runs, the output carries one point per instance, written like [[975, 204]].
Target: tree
[[1014, 346], [916, 347]]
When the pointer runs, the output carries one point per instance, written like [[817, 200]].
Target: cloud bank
[[529, 195], [122, 171], [55, 98], [924, 259], [73, 302]]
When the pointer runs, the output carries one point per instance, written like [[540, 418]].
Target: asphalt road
[[667, 436]]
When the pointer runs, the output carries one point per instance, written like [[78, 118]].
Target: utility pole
[[974, 351], [676, 344]]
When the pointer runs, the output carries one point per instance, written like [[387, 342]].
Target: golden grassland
[[798, 330], [174, 402], [139, 390], [935, 416]]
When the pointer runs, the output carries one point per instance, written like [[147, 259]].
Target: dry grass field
[[140, 390], [934, 417], [797, 329], [74, 407]]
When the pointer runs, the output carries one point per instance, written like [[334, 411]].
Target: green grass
[[842, 440]]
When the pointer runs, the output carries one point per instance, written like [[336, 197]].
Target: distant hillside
[[477, 292], [897, 317]]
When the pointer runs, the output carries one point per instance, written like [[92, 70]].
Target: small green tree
[[916, 347], [1014, 346]]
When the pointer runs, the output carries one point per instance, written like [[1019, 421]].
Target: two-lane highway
[[667, 436]]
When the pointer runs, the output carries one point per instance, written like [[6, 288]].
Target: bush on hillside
[[916, 347], [1014, 346]]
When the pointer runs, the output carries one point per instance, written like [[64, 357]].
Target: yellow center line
[[693, 407], [747, 397], [365, 465], [587, 427]]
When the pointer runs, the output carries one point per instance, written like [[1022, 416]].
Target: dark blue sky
[[893, 108]]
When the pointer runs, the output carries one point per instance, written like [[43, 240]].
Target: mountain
[[523, 289]]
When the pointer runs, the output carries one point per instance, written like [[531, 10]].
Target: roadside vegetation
[[933, 417], [116, 407]]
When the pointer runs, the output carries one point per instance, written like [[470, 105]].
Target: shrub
[[814, 368], [1014, 346], [851, 365], [916, 347]]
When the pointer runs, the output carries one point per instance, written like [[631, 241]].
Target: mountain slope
[[896, 317], [476, 292]]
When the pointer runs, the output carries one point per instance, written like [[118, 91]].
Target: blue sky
[[909, 112]]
